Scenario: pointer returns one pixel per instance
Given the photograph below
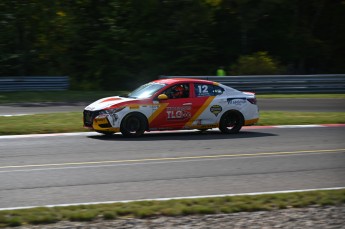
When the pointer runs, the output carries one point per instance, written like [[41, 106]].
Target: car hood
[[109, 102]]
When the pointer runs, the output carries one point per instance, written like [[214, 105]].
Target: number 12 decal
[[203, 89]]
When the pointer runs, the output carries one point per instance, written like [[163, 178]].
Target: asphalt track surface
[[49, 170], [38, 170]]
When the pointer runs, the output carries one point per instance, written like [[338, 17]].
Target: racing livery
[[173, 104]]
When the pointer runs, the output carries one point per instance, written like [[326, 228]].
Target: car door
[[174, 112], [205, 110]]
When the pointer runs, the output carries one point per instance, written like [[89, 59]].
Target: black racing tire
[[231, 122], [133, 125]]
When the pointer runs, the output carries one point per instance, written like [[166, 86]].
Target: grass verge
[[90, 96], [301, 96], [55, 96], [144, 209], [72, 121]]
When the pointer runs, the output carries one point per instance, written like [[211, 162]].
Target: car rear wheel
[[231, 122], [133, 125]]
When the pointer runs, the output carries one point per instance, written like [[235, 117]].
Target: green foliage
[[116, 45], [110, 215], [88, 215], [259, 63], [198, 209], [12, 222], [43, 219]]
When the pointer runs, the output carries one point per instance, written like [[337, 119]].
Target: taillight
[[252, 100]]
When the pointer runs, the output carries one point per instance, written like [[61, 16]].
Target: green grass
[[55, 96], [145, 209], [42, 123], [72, 121], [90, 96], [300, 118], [301, 96]]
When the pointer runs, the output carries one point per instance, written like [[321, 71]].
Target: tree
[[259, 63], [121, 44], [32, 38]]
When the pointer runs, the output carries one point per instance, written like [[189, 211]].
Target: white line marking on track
[[176, 198], [83, 163], [153, 161], [157, 162]]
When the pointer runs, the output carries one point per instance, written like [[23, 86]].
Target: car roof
[[182, 80]]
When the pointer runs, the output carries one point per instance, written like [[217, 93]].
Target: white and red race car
[[173, 104]]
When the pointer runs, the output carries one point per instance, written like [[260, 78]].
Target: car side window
[[217, 90], [178, 91], [207, 90]]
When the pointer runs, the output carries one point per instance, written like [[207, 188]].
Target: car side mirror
[[162, 97]]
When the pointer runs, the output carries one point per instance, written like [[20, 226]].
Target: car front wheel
[[231, 122], [133, 125]]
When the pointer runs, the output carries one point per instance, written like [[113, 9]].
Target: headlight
[[111, 111]]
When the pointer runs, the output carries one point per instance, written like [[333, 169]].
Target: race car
[[173, 104]]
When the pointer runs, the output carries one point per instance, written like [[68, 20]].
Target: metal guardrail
[[258, 84], [34, 83], [280, 83]]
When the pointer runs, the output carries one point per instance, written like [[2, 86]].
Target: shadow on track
[[183, 136]]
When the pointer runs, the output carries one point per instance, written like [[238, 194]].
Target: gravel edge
[[327, 217]]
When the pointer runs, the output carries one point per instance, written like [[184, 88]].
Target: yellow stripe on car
[[202, 108], [161, 107], [251, 122]]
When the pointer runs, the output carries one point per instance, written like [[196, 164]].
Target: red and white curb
[[95, 133], [11, 115], [177, 198], [293, 126]]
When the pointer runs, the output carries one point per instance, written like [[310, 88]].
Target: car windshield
[[145, 91]]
